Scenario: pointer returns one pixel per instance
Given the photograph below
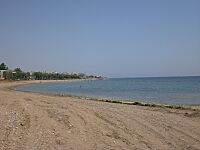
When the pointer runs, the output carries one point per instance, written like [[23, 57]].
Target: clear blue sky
[[114, 38]]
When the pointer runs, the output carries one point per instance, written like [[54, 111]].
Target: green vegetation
[[18, 74], [3, 66], [54, 76]]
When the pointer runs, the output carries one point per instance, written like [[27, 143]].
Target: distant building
[[1, 74]]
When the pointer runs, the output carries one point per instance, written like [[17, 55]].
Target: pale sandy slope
[[36, 121]]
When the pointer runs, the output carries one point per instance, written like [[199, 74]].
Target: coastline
[[126, 102], [45, 121]]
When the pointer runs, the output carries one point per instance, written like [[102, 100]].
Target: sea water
[[164, 90]]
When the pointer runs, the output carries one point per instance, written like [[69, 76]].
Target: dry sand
[[37, 121]]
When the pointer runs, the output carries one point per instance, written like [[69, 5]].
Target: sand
[[38, 121]]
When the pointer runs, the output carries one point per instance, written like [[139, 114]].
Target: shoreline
[[125, 102], [44, 121]]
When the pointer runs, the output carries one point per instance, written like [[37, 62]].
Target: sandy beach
[[40, 121]]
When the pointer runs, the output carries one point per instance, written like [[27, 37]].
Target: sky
[[112, 38]]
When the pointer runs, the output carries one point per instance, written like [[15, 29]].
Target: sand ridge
[[38, 121]]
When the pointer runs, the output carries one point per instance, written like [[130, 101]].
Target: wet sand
[[39, 121]]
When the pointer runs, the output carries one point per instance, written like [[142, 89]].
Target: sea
[[163, 90]]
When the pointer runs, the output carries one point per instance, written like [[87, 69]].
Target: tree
[[8, 75], [18, 70], [18, 74], [3, 66]]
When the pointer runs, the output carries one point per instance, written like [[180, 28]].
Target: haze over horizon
[[113, 38]]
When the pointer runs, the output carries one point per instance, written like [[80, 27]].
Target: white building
[[1, 74]]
